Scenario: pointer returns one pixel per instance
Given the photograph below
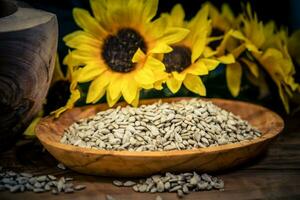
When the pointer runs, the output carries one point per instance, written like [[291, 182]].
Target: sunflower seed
[[41, 178], [61, 166], [129, 183], [68, 190], [202, 185], [26, 175], [180, 193], [38, 190], [206, 177], [79, 187], [158, 197], [108, 197], [161, 126], [15, 188], [54, 191], [160, 186], [142, 188], [51, 177], [117, 183], [135, 188]]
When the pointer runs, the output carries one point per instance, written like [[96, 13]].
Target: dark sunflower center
[[178, 59], [118, 50]]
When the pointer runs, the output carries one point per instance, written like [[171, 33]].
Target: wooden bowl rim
[[172, 153]]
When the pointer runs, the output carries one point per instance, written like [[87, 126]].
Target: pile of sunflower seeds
[[181, 184], [21, 182], [160, 127]]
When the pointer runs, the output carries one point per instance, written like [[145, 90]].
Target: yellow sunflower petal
[[98, 8], [71, 62], [173, 84], [283, 97], [157, 27], [173, 35], [233, 77], [87, 22], [81, 38], [89, 72], [198, 68], [129, 90], [251, 66], [226, 59], [150, 9], [252, 47], [29, 132], [158, 85], [238, 51], [211, 64], [85, 56], [198, 46], [237, 34], [146, 75], [179, 76], [138, 56], [208, 52], [177, 15], [154, 64], [135, 102], [194, 84], [111, 102], [227, 12], [161, 48], [97, 88], [115, 86]]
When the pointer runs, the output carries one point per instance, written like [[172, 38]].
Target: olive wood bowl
[[134, 164]]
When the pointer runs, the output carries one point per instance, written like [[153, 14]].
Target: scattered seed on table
[[158, 198], [109, 197], [79, 187], [68, 190], [15, 188], [129, 183], [61, 166], [21, 182], [38, 190], [117, 183], [182, 183]]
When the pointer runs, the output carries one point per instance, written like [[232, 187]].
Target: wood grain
[[133, 164], [28, 39]]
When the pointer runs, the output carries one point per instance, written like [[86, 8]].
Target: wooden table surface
[[273, 175]]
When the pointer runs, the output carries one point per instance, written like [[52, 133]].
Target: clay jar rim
[[7, 8]]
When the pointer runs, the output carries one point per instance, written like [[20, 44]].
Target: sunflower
[[271, 52], [262, 49], [185, 63], [117, 45], [225, 44]]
